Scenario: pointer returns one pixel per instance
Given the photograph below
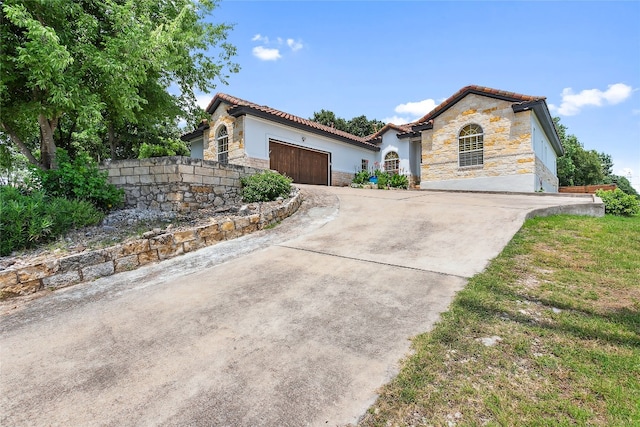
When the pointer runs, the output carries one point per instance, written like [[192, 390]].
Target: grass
[[564, 297]]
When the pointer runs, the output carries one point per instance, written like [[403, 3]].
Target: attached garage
[[303, 165]]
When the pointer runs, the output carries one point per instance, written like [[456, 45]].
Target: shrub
[[27, 219], [383, 179], [169, 147], [265, 187], [361, 177], [399, 181], [617, 202], [79, 179]]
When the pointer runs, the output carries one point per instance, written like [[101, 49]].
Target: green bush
[[27, 219], [79, 179], [265, 187], [617, 202], [399, 181], [169, 147], [383, 179], [361, 177]]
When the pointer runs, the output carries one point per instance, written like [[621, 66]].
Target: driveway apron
[[294, 326]]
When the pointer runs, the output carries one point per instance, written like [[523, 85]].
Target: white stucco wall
[[390, 142], [345, 157], [518, 183]]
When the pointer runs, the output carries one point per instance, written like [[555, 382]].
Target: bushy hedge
[[617, 202], [265, 187], [79, 179], [399, 181], [27, 219]]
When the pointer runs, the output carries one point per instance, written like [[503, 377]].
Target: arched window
[[223, 145], [391, 162], [470, 146]]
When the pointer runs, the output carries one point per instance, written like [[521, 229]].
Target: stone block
[[157, 170], [190, 178], [254, 219], [126, 263], [161, 241], [184, 236], [170, 251], [194, 245], [8, 278], [147, 179], [62, 280], [113, 172], [211, 180], [99, 270], [147, 257], [208, 230], [38, 271], [227, 225], [185, 169], [141, 170], [133, 179], [134, 247], [124, 171], [242, 223], [21, 289], [83, 259]]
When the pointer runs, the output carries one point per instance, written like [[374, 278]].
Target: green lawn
[[564, 298]]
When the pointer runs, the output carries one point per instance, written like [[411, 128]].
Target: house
[[478, 139]]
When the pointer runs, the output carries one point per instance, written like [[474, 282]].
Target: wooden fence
[[587, 189]]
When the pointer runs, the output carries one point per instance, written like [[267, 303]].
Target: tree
[[359, 126], [79, 72], [577, 166]]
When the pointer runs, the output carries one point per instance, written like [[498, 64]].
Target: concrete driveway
[[294, 326]]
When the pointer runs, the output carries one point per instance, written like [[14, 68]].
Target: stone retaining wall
[[90, 265], [177, 183]]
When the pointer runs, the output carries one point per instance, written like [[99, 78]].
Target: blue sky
[[394, 61]]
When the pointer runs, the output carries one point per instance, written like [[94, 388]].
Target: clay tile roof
[[404, 128], [479, 90], [237, 102]]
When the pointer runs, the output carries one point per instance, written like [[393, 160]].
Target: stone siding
[[545, 178], [179, 184], [90, 265], [507, 141], [341, 179]]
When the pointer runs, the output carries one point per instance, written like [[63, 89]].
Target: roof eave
[[542, 112], [194, 134], [240, 110]]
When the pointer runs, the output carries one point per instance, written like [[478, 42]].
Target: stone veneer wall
[[341, 179], [179, 184], [89, 265], [507, 141], [550, 182]]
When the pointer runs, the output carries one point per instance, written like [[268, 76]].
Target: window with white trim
[[471, 146], [223, 145], [391, 162]]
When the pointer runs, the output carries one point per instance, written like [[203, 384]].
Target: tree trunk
[[47, 143], [112, 140], [21, 145]]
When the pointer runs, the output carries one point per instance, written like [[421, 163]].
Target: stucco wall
[[390, 142], [507, 147], [345, 158]]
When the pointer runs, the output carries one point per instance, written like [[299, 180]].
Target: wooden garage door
[[303, 165]]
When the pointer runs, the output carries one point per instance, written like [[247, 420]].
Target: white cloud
[[572, 103], [635, 112], [260, 38], [266, 54], [294, 45], [396, 120], [416, 109]]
